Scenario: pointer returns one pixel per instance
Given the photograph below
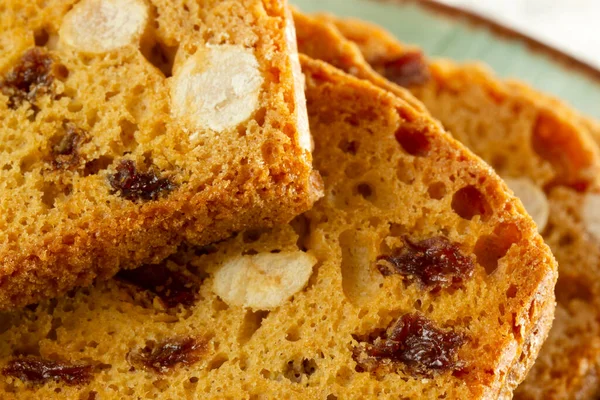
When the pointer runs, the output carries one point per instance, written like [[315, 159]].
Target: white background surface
[[570, 25]]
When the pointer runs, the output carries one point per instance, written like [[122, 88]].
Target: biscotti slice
[[418, 275], [323, 41], [532, 140], [543, 127], [591, 124], [127, 127]]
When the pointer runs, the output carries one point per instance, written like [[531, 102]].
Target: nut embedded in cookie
[[591, 215], [217, 88], [263, 281], [533, 198], [98, 26]]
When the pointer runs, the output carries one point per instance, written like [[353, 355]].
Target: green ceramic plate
[[443, 31]]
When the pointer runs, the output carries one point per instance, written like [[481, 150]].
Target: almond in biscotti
[[97, 26], [217, 88], [591, 215], [263, 281], [533, 198]]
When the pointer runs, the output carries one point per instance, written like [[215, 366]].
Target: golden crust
[[63, 223]]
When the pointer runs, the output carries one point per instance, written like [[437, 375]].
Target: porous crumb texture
[[428, 280], [530, 138], [129, 126]]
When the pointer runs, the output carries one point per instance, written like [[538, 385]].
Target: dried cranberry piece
[[413, 140], [436, 263], [407, 70], [167, 354], [30, 78], [171, 287], [39, 370], [65, 151], [133, 185], [414, 341]]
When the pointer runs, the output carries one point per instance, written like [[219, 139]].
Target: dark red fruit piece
[[172, 287], [65, 151], [435, 262], [166, 355], [407, 70], [414, 341], [133, 184], [30, 78], [39, 370], [414, 141]]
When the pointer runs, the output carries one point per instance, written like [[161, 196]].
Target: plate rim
[[498, 29]]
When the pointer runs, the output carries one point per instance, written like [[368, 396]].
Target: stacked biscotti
[[544, 151], [129, 127], [176, 232], [387, 287]]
